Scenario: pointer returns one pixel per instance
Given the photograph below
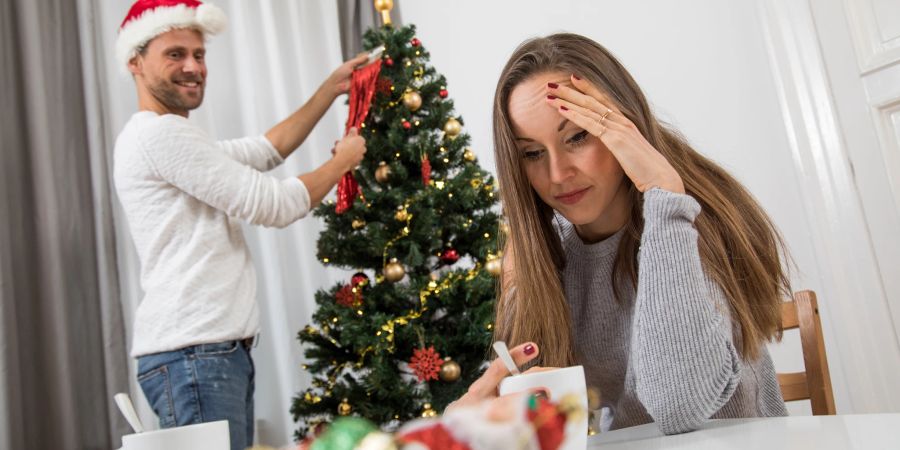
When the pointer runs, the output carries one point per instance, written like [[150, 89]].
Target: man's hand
[[338, 82], [349, 151]]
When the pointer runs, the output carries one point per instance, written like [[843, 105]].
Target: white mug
[[558, 383], [201, 436]]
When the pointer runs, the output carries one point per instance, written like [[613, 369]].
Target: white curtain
[[269, 61]]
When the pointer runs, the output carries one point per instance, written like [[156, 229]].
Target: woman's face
[[570, 169]]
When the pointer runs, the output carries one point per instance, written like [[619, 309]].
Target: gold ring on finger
[[603, 117], [601, 132]]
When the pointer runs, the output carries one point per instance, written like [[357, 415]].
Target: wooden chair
[[815, 383]]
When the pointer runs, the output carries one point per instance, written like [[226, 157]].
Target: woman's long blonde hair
[[740, 248]]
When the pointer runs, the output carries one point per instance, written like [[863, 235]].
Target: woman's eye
[[532, 155], [578, 138]]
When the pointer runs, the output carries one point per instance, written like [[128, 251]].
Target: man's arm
[[288, 134]]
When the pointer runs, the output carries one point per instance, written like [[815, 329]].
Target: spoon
[[123, 401], [503, 353]]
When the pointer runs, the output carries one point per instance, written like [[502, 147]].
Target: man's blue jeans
[[202, 383]]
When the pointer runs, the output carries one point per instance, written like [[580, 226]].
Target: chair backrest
[[815, 383]]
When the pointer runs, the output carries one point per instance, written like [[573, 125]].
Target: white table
[[864, 431]]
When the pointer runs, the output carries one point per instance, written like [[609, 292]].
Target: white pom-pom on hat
[[211, 18], [149, 18]]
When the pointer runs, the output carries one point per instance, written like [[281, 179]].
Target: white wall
[[706, 67]]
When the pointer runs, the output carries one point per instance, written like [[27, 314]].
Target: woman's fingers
[[487, 385], [599, 109], [592, 91], [583, 118]]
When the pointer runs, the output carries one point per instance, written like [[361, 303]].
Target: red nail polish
[[576, 77], [529, 349], [551, 97], [552, 85], [563, 107]]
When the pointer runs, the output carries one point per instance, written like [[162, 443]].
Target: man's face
[[172, 68]]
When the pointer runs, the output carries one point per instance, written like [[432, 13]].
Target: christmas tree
[[411, 330]]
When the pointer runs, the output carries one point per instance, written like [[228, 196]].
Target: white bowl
[[201, 436]]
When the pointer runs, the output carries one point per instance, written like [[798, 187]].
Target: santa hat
[[149, 18]]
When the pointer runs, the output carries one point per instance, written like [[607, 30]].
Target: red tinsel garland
[[362, 88]]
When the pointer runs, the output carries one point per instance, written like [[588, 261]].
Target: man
[[184, 195]]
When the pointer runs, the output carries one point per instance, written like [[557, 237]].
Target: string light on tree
[[344, 409], [428, 411]]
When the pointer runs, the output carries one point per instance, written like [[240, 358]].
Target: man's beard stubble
[[166, 92]]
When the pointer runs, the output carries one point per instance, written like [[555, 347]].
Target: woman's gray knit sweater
[[665, 353]]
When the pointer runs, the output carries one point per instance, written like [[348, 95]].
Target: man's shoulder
[[148, 129]]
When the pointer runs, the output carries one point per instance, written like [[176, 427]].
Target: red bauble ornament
[[449, 256], [443, 93], [389, 62], [415, 42], [426, 363], [358, 279], [406, 124]]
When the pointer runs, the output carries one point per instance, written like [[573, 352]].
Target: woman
[[628, 251]]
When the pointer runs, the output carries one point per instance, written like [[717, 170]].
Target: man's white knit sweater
[[184, 194]]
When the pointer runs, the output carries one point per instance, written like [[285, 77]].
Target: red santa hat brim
[[134, 34]]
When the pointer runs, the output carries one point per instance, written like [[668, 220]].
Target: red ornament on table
[[415, 42], [435, 437], [406, 124], [443, 93], [548, 422], [426, 363], [449, 256]]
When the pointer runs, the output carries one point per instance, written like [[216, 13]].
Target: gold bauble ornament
[[402, 215], [394, 271], [412, 100], [428, 412], [344, 408], [469, 155], [452, 127], [383, 172], [357, 224], [450, 370], [493, 265]]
